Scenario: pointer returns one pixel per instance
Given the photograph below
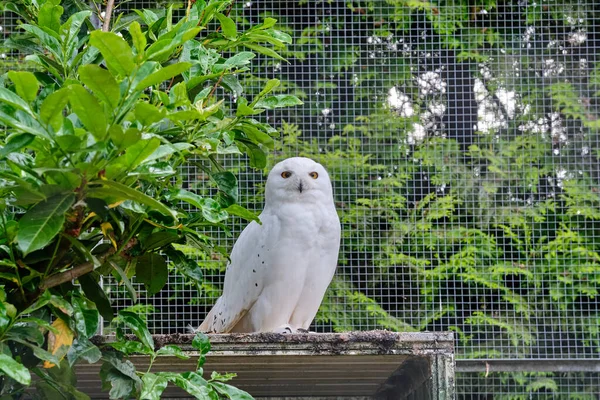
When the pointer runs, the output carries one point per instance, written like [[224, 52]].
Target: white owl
[[280, 269]]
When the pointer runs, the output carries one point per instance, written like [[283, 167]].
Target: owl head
[[298, 179]]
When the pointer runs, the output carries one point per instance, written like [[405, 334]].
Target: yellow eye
[[286, 174], [314, 175]]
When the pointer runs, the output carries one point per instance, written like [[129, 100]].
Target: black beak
[[300, 187]]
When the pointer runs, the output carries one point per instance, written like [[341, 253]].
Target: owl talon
[[284, 330]]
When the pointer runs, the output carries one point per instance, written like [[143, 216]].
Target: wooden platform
[[358, 365]]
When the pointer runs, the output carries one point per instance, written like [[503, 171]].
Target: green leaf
[[94, 292], [242, 212], [138, 38], [130, 347], [115, 50], [134, 156], [14, 100], [258, 158], [48, 41], [228, 185], [263, 50], [172, 350], [148, 114], [137, 326], [26, 84], [121, 385], [16, 143], [89, 111], [49, 16], [163, 74], [82, 348], [14, 370], [52, 107], [101, 83], [107, 188], [193, 383], [201, 342], [240, 59], [153, 386], [278, 101], [210, 209], [231, 392], [151, 270], [227, 26], [269, 86], [42, 222]]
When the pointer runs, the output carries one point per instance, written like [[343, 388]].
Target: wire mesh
[[463, 141]]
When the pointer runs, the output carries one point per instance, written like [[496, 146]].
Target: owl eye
[[286, 174], [314, 175]]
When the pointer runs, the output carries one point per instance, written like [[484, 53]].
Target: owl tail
[[206, 325]]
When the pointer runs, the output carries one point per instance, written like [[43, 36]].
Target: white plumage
[[279, 270]]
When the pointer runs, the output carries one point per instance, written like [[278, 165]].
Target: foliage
[[94, 136], [472, 206]]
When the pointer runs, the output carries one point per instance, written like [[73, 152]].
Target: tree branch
[[73, 273], [107, 14]]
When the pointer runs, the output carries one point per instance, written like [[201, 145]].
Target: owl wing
[[244, 279]]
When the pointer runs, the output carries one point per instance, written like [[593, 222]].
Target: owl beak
[[300, 186]]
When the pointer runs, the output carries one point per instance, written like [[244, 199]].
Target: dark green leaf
[[137, 326], [14, 370], [102, 83], [94, 292], [115, 50], [163, 74], [26, 84], [16, 143], [42, 222], [280, 100], [88, 109], [159, 239], [151, 270], [228, 184], [121, 386], [153, 386], [82, 348], [258, 158], [231, 392], [227, 26]]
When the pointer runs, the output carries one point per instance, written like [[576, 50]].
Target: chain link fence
[[462, 138]]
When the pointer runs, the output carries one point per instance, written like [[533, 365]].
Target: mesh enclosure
[[462, 138]]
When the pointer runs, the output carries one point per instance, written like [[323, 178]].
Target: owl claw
[[284, 330]]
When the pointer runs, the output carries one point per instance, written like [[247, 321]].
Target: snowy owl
[[280, 269]]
